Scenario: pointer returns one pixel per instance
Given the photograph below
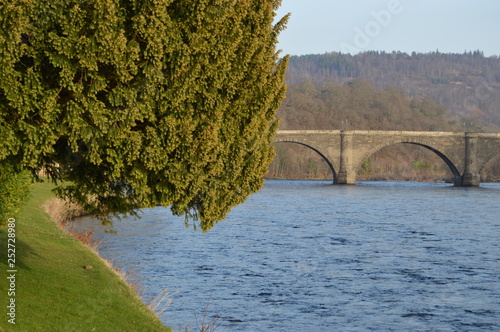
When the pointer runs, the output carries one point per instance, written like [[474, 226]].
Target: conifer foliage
[[138, 103]]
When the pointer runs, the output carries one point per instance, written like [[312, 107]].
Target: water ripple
[[309, 256]]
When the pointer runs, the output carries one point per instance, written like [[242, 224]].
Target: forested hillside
[[468, 84], [381, 91]]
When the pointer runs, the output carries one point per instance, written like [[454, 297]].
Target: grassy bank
[[53, 291]]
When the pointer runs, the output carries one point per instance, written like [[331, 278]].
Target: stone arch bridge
[[466, 154]]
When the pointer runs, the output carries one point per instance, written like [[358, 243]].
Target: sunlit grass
[[53, 290]]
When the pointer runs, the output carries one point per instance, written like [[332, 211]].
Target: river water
[[311, 256]]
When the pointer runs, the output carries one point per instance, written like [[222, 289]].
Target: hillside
[[467, 84], [380, 91]]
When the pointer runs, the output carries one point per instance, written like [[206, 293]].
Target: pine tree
[[139, 103]]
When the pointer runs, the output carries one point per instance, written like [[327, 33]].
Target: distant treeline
[[388, 91], [467, 84]]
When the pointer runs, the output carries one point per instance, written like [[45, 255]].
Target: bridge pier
[[346, 174], [470, 180], [471, 176]]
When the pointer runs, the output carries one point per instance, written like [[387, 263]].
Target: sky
[[423, 26]]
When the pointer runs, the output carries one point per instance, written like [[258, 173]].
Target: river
[[311, 256]]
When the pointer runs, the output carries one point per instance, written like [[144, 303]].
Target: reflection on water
[[311, 256]]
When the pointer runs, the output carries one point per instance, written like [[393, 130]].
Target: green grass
[[53, 290]]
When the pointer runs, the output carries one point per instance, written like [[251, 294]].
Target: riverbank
[[388, 177], [59, 284]]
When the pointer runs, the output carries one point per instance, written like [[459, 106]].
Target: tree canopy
[[140, 103]]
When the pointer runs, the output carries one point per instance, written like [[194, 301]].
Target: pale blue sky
[[350, 26]]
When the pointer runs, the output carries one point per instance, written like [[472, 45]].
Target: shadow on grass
[[14, 252]]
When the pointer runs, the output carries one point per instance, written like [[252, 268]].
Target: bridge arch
[[452, 166], [328, 162], [489, 158]]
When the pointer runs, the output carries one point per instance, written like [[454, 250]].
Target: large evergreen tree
[[138, 103]]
